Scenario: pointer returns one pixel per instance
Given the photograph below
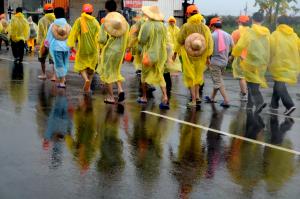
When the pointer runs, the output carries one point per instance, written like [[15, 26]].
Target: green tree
[[273, 8]]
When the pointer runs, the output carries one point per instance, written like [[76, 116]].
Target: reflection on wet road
[[61, 144]]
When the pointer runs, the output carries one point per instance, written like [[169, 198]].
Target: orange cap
[[243, 19], [214, 21], [192, 9], [48, 6], [172, 19], [87, 8]]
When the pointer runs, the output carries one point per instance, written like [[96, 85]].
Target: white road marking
[[225, 133], [295, 118]]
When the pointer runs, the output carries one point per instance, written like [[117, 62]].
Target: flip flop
[[164, 106], [42, 77], [208, 100], [109, 102], [121, 97], [140, 101], [61, 86], [225, 105]]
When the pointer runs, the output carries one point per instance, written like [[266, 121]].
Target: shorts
[[43, 57], [216, 75]]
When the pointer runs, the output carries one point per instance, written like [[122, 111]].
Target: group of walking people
[[159, 50]]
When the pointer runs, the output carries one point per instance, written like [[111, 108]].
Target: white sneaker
[[288, 112], [244, 98]]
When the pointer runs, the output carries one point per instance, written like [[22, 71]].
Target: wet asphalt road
[[60, 144]]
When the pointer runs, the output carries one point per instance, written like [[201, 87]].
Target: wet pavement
[[58, 143]]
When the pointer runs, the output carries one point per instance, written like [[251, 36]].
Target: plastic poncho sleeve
[[73, 37], [209, 42], [242, 44], [103, 36], [43, 26], [1, 27], [144, 34]]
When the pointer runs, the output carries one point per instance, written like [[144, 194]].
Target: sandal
[[140, 101], [224, 105], [106, 101], [42, 77], [61, 85], [164, 106], [208, 100], [121, 97]]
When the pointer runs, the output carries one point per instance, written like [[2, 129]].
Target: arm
[[241, 45], [103, 36], [48, 37], [73, 37]]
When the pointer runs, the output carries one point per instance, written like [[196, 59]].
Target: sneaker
[[224, 105], [289, 111], [273, 108], [243, 97], [259, 108]]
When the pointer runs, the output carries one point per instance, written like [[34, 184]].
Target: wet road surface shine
[[60, 144]]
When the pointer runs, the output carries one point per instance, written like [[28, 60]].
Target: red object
[[192, 9], [73, 55], [133, 3], [48, 6], [244, 19], [87, 8], [128, 56]]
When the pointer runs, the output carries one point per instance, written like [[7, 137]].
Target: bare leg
[[144, 90], [197, 87], [53, 78], [224, 94], [165, 99], [43, 75], [213, 94], [120, 88], [193, 93], [110, 92], [87, 83], [243, 86]]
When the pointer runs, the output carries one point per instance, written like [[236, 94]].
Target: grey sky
[[225, 7]]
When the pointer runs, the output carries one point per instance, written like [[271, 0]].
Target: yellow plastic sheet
[[43, 26], [285, 61], [257, 42], [236, 65], [193, 68], [153, 40], [19, 28], [87, 46], [112, 56]]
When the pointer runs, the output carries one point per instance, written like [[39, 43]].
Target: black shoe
[[121, 97], [259, 108], [289, 111]]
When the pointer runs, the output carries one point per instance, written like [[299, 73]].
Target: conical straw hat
[[153, 12], [115, 24]]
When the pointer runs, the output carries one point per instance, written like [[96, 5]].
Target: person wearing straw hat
[[43, 26], [153, 40], [195, 45], [113, 36], [84, 33], [244, 23]]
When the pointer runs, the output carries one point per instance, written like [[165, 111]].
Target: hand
[[230, 59], [208, 62]]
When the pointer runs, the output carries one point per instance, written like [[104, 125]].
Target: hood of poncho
[[261, 30], [285, 29]]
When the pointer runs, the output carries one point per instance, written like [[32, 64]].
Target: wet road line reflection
[[224, 133]]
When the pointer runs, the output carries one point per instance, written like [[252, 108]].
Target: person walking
[[43, 26], [257, 42], [153, 41], [56, 41], [113, 36], [223, 44], [195, 45], [4, 31], [285, 63], [32, 35], [244, 23], [19, 33], [85, 33]]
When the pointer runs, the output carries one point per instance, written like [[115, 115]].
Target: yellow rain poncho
[[173, 31], [133, 43], [153, 40], [236, 65], [285, 51], [85, 31], [1, 28], [43, 25], [194, 67], [112, 56], [19, 28], [257, 42]]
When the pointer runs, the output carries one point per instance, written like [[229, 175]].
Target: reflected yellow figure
[[19, 86], [85, 143], [190, 164], [111, 146]]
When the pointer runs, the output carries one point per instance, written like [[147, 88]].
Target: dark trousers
[[280, 93], [18, 49], [254, 95]]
